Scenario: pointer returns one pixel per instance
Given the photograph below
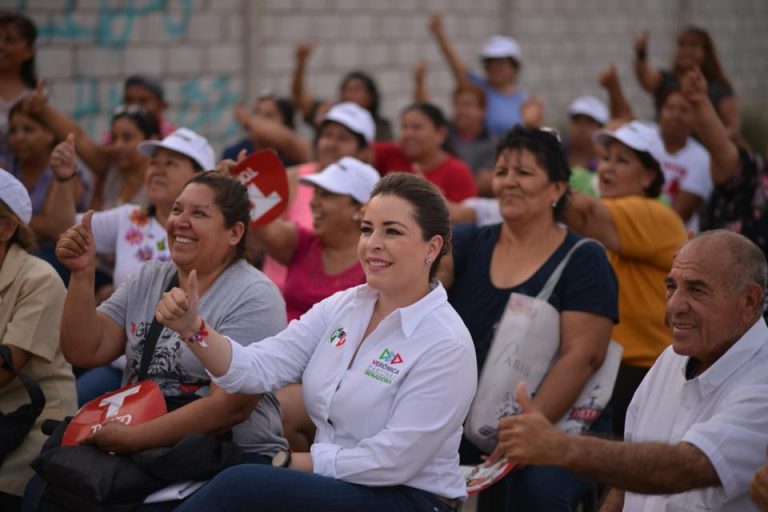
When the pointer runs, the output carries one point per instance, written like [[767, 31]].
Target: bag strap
[[36, 394], [554, 277], [153, 334]]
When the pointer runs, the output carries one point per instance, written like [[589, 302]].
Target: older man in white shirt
[[697, 425]]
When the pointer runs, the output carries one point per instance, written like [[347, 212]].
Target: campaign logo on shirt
[[382, 368], [338, 337]]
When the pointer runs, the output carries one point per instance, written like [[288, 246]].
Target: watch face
[[281, 459]]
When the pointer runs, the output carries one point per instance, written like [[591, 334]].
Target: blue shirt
[[502, 111], [587, 283]]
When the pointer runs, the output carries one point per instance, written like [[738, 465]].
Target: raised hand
[[36, 100], [76, 248], [436, 23], [532, 111], [608, 77], [641, 42], [693, 85], [420, 71], [304, 50], [178, 310], [63, 158], [225, 166]]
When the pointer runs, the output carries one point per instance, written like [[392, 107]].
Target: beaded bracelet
[[199, 336]]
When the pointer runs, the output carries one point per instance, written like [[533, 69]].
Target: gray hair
[[749, 265]]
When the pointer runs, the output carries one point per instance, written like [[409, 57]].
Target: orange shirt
[[650, 234]]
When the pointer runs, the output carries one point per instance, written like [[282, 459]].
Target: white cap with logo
[[347, 176], [186, 142], [353, 117], [589, 106], [499, 47], [15, 195]]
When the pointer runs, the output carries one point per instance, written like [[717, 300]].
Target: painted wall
[[212, 53]]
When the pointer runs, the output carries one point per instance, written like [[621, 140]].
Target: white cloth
[[395, 416], [132, 235], [686, 170], [723, 412], [486, 210]]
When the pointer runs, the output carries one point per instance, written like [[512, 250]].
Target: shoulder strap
[[554, 277], [36, 394], [150, 341]]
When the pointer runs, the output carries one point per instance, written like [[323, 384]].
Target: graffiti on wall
[[203, 104]]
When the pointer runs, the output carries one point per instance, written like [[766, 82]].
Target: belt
[[453, 503]]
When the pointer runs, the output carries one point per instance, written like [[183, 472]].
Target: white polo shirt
[[723, 412], [395, 416]]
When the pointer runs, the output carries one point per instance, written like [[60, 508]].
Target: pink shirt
[[307, 283], [298, 212]]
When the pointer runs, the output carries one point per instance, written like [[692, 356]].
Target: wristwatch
[[282, 459]]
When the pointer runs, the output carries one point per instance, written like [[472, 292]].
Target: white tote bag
[[524, 347]]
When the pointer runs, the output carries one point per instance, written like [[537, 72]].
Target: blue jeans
[[94, 383], [254, 488]]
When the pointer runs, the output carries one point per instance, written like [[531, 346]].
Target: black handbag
[[16, 425], [85, 478]]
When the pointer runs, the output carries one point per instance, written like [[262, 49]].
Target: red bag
[[264, 176], [133, 404]]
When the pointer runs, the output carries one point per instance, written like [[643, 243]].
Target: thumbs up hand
[[178, 309], [76, 248], [63, 158], [529, 438]]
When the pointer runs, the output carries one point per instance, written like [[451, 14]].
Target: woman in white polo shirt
[[388, 372]]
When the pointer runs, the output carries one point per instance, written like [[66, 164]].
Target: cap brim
[[148, 147], [318, 181]]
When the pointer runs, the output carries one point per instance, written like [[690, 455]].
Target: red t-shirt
[[451, 176], [306, 283]]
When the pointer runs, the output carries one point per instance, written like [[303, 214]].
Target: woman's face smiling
[[620, 172], [197, 235], [392, 249]]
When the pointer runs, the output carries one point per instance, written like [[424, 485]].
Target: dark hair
[[710, 66], [24, 237], [370, 86], [472, 89], [231, 198], [20, 108], [649, 162], [548, 153], [28, 31], [150, 83], [515, 63], [429, 208], [144, 121], [433, 112], [359, 137], [284, 106]]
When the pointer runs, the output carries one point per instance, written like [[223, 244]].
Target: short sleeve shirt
[[587, 283]]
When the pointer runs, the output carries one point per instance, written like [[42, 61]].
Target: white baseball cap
[[636, 135], [186, 142], [353, 117], [499, 47], [347, 176], [589, 106], [15, 195]]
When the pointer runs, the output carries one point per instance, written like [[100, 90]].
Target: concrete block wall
[[213, 53]]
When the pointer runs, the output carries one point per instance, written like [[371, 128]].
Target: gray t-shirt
[[242, 303]]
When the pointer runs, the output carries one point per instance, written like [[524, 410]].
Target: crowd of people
[[340, 345]]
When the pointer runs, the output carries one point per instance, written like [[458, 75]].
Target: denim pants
[[256, 488]]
